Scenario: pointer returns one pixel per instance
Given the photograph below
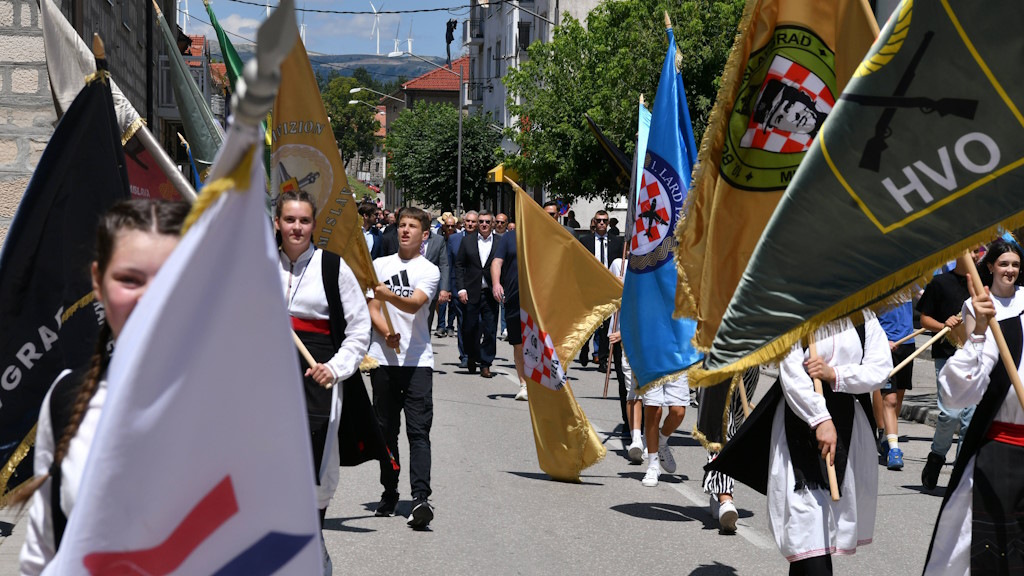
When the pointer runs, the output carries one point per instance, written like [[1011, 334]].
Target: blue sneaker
[[895, 459]]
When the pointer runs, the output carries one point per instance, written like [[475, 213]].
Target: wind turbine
[[376, 23], [398, 30], [409, 39]]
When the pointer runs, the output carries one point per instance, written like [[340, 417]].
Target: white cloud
[[240, 25]]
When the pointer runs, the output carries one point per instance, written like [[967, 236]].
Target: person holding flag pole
[[659, 347]]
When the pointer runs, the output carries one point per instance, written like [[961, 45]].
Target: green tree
[[422, 147], [602, 70], [354, 125]]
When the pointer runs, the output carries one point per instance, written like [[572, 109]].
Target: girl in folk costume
[[979, 529], [133, 240], [781, 449], [329, 314]]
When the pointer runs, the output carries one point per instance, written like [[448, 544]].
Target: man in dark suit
[[605, 248], [368, 212], [473, 281], [435, 250]]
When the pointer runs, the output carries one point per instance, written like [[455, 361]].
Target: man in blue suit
[[455, 307]]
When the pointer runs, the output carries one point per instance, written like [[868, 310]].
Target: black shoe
[[584, 361], [930, 472], [422, 514], [386, 507], [603, 367], [472, 367]]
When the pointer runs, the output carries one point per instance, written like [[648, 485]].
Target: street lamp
[[458, 169], [363, 103], [358, 89]]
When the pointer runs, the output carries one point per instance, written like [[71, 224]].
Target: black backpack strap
[[62, 402], [331, 268]]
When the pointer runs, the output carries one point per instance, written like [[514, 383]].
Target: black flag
[[48, 316]]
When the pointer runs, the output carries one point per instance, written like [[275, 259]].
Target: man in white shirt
[[605, 248], [404, 379], [473, 282]]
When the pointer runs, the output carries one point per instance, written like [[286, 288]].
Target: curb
[[920, 413]]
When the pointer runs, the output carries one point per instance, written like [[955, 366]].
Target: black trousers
[[621, 377], [396, 388], [814, 566], [481, 322], [602, 344]]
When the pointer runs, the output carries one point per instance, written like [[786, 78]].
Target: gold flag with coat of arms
[[305, 157], [789, 63], [564, 295]]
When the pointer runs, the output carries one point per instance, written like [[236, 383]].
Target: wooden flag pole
[[833, 482], [997, 332], [913, 334], [918, 352], [305, 353]]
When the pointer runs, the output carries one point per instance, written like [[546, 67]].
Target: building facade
[[438, 85]]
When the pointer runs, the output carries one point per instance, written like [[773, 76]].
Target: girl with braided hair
[[133, 240]]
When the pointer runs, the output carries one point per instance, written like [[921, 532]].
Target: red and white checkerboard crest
[[653, 215], [540, 362], [791, 105]]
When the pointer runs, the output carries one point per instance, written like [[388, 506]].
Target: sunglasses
[[600, 219]]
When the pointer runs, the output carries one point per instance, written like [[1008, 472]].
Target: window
[[524, 35], [490, 63], [497, 59], [376, 166]]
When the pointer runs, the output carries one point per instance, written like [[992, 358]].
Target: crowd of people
[[834, 403]]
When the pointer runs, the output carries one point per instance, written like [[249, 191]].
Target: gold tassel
[[368, 364], [12, 464]]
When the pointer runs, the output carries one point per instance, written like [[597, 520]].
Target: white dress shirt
[[484, 246]]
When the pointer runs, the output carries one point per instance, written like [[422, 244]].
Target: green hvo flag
[[920, 158]]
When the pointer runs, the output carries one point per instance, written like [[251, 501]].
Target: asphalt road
[[497, 513]]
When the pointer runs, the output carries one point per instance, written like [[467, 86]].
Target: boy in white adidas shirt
[[404, 379]]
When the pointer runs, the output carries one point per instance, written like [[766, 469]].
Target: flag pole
[[913, 334], [627, 229], [166, 165], [997, 332], [918, 352], [833, 482]]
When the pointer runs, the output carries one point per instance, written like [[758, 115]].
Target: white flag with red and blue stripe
[[202, 462]]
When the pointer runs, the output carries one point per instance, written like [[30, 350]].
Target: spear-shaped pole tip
[[668, 21], [642, 100], [97, 47], [156, 7]]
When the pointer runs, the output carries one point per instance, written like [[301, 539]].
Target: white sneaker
[[521, 395], [651, 477], [635, 452], [727, 517], [504, 334], [668, 462]]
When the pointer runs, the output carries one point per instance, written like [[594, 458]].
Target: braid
[[100, 360]]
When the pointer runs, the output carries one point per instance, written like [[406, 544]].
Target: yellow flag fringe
[[705, 173], [870, 296]]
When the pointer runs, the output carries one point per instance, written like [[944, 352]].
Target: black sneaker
[[386, 507], [422, 513], [930, 472]]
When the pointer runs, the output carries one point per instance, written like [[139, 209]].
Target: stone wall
[[26, 107]]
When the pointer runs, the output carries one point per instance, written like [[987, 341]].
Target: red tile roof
[[219, 73], [381, 117], [441, 80]]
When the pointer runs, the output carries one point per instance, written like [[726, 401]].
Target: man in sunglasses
[[605, 248], [473, 282]]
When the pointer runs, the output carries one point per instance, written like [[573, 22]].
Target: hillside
[[381, 67]]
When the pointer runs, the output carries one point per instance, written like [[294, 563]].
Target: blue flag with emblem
[[659, 347]]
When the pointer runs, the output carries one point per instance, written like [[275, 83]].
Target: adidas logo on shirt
[[399, 284]]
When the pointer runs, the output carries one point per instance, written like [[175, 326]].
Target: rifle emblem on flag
[[302, 159], [782, 103], [659, 203]]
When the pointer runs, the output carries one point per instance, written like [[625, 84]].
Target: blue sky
[[344, 33]]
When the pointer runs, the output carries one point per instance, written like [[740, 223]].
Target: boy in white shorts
[[674, 395]]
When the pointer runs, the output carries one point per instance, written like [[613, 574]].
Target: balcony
[[472, 32], [474, 93]]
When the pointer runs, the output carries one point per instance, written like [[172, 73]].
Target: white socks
[[662, 440], [653, 461], [893, 439], [636, 436]]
